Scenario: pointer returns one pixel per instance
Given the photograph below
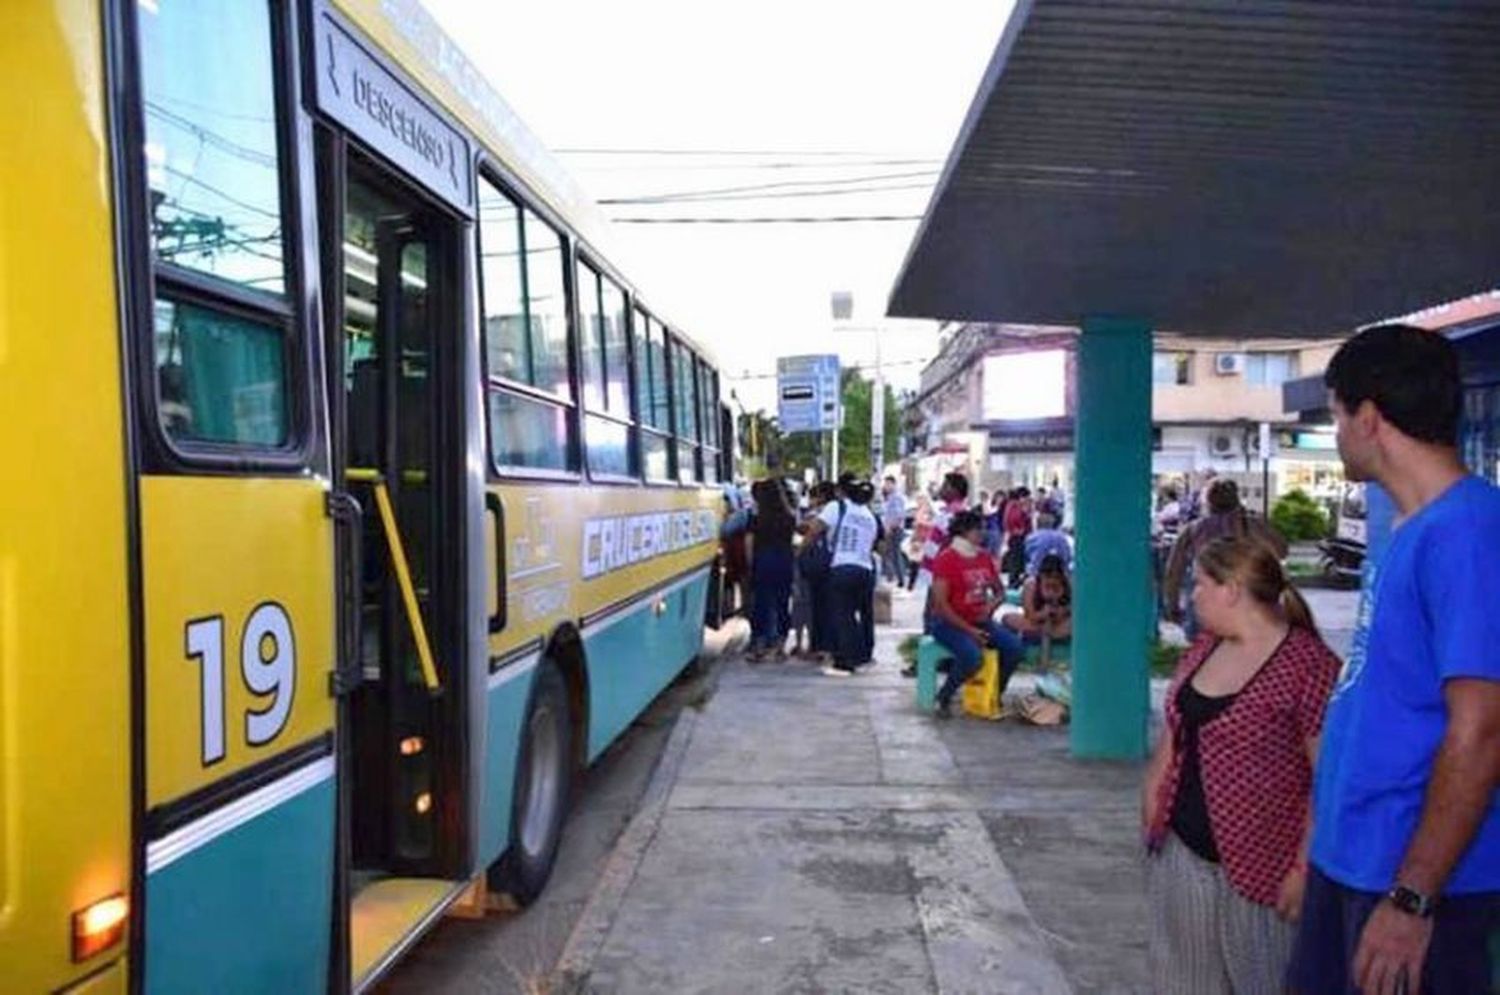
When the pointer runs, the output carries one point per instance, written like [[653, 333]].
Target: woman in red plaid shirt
[[1225, 805]]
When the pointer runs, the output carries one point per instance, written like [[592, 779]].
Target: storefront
[[1034, 454]]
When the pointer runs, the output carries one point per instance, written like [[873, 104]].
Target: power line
[[831, 220], [853, 366], [757, 187], [885, 188], [807, 153], [745, 167], [784, 195]]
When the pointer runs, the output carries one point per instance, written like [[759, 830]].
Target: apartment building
[[999, 401]]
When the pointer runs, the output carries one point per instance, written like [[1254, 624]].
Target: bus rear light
[[424, 803], [412, 745], [99, 927]]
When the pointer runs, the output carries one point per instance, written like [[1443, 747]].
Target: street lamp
[[843, 309]]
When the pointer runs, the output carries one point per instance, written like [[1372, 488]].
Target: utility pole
[[1265, 470], [842, 302], [877, 415]]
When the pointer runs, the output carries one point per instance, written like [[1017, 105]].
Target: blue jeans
[[966, 653], [852, 597], [821, 630], [770, 616]]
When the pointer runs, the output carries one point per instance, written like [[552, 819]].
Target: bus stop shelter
[[1229, 168]]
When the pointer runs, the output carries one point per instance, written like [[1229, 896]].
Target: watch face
[[1410, 901]]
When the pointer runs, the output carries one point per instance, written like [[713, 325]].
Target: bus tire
[[544, 774]]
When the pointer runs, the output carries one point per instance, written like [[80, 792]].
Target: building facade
[[1005, 395]]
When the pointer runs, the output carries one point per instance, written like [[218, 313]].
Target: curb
[[592, 929]]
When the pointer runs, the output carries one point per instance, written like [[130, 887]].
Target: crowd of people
[[1313, 825], [812, 562]]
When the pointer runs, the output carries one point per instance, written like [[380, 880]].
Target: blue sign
[[807, 392]]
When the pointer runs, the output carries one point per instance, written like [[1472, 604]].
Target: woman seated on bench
[[966, 590], [1046, 605]]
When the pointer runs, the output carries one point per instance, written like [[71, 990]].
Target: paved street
[[798, 833], [813, 834]]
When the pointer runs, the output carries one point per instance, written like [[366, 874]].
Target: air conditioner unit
[[1229, 363], [1222, 444]]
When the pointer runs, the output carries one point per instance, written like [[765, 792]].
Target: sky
[[812, 108]]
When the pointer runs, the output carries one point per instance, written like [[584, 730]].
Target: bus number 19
[[268, 666]]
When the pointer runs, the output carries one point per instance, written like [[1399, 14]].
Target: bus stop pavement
[[812, 834]]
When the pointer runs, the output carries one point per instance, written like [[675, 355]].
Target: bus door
[[395, 355], [236, 606]]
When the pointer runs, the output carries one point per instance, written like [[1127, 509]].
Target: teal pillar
[[1113, 622]]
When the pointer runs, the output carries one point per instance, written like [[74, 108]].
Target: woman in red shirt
[[1225, 805], [966, 590]]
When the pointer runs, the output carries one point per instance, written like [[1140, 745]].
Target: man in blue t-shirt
[[1404, 886]]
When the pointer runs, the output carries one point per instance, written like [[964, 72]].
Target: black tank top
[[1190, 812]]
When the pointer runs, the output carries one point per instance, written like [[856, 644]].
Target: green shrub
[[1299, 518], [1164, 659], [908, 649]]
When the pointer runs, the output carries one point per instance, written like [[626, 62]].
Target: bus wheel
[[544, 773]]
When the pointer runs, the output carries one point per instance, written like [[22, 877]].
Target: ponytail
[[1297, 611]]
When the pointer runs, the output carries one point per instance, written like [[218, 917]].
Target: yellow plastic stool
[[982, 691]]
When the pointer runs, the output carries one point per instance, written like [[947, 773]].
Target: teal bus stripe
[[247, 910]]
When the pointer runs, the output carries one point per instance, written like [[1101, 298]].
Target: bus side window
[[708, 419], [222, 326], [653, 398], [606, 373], [523, 293], [685, 410]]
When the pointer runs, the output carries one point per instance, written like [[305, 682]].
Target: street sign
[[807, 391]]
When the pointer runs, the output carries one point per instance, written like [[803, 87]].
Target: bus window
[[546, 307], [222, 379], [708, 420], [211, 150], [526, 336], [528, 433], [642, 367], [221, 347], [591, 336], [507, 351], [686, 411], [655, 401], [616, 349], [606, 365]]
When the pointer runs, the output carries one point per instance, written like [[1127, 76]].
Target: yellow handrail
[[403, 571]]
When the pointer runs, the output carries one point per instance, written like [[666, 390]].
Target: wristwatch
[[1412, 902]]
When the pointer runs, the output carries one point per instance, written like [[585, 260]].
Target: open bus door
[[393, 269]]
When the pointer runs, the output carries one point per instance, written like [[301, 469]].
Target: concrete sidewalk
[[811, 834]]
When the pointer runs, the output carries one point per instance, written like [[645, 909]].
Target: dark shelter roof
[[1231, 167]]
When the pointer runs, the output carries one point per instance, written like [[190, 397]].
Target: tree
[[854, 440]]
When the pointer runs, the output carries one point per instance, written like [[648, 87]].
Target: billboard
[[1024, 386]]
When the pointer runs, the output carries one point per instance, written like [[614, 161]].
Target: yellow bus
[[355, 500]]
